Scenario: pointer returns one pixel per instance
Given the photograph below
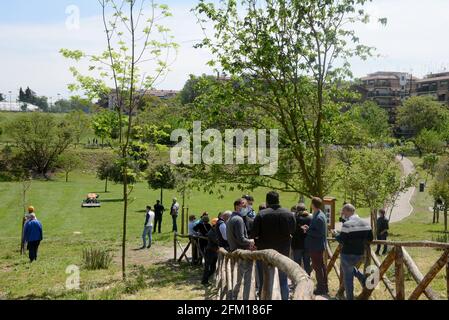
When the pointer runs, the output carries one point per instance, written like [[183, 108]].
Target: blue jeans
[[302, 257], [348, 267], [147, 231]]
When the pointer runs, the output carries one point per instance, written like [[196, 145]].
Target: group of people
[[153, 221], [295, 233]]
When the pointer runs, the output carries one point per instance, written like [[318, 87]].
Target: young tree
[[287, 58], [80, 123], [40, 139], [422, 112], [162, 177], [105, 170], [373, 180], [429, 141], [440, 188], [106, 125], [136, 57], [68, 162], [2, 98]]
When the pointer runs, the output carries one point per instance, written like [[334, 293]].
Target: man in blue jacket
[[33, 235], [315, 243]]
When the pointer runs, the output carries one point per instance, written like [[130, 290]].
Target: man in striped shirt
[[354, 236]]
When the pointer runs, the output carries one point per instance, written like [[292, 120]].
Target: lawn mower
[[91, 201]]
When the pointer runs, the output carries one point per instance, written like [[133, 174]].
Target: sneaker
[[149, 247]]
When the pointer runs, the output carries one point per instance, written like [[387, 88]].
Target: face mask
[[250, 208], [244, 212]]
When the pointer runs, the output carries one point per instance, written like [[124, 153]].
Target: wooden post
[[447, 278], [175, 246], [182, 220], [366, 293], [399, 273], [417, 275], [430, 276]]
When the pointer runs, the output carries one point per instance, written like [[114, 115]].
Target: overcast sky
[[33, 31]]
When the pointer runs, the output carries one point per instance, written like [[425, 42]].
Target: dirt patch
[[145, 257]]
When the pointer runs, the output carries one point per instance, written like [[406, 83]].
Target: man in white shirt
[[174, 211], [148, 228]]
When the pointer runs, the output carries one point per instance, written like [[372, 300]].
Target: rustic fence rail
[[401, 260], [237, 276]]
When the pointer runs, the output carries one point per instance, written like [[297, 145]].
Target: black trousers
[[33, 247], [382, 237], [157, 223], [210, 265]]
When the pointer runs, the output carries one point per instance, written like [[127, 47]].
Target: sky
[[33, 31]]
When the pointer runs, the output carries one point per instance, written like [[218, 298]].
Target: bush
[[96, 259]]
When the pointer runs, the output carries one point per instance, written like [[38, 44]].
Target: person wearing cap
[[202, 229], [211, 253], [148, 228], [174, 211], [33, 234]]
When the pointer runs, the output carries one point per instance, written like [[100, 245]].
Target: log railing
[[237, 272], [401, 260], [237, 276]]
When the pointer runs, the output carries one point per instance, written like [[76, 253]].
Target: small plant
[[96, 259]]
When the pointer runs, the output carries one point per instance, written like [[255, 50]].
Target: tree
[[105, 170], [2, 98], [106, 125], [68, 162], [429, 141], [362, 125], [40, 139], [29, 96], [287, 58], [440, 187], [191, 89], [422, 112], [80, 123], [372, 179], [162, 177], [136, 57]]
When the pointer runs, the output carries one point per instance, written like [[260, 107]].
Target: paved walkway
[[403, 207]]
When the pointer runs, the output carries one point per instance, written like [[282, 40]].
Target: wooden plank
[[268, 278], [239, 269], [229, 293], [184, 253], [442, 261], [417, 275], [383, 268], [388, 284], [276, 294], [248, 288], [399, 273], [175, 247], [333, 260], [447, 278], [417, 244]]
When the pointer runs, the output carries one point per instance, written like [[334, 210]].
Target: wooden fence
[[237, 277], [237, 274], [400, 259]]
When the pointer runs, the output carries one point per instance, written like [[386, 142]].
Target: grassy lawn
[[68, 229]]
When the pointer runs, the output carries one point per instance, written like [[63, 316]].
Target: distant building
[[436, 85], [388, 89], [18, 107], [161, 94]]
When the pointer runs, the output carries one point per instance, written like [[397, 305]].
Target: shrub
[[96, 259]]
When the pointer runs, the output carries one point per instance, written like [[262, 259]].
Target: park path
[[403, 207]]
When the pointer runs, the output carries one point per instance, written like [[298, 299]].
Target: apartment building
[[388, 89], [436, 85]]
